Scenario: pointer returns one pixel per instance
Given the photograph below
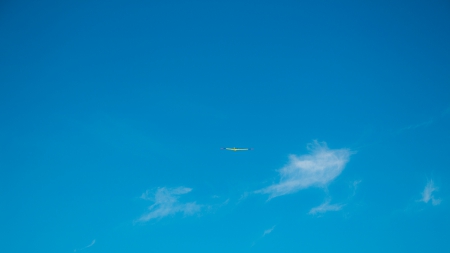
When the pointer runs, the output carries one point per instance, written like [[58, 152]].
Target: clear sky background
[[113, 115]]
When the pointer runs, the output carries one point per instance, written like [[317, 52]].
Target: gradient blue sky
[[113, 115]]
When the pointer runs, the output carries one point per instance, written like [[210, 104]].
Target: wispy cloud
[[356, 183], [90, 245], [318, 168], [411, 127], [166, 203], [428, 195], [354, 186], [268, 231], [243, 197], [325, 207]]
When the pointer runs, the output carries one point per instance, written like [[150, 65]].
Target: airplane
[[237, 149]]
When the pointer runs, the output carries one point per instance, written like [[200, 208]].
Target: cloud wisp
[[166, 203], [325, 207], [268, 231], [318, 169], [354, 185], [412, 127], [90, 245], [428, 195]]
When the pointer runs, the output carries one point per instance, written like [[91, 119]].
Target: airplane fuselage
[[237, 149]]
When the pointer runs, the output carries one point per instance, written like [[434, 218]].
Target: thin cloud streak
[[428, 195], [356, 183], [325, 207], [268, 231], [355, 186], [90, 245], [166, 203], [423, 124], [318, 169]]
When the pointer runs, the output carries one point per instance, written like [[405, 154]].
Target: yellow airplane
[[237, 149]]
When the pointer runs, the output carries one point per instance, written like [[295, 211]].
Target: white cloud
[[355, 186], [318, 168], [325, 207], [356, 183], [428, 195], [166, 203], [268, 231], [90, 245], [414, 126]]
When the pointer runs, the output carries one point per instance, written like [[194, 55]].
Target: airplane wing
[[237, 149]]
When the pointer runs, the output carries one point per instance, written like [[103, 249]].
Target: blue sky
[[113, 115]]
